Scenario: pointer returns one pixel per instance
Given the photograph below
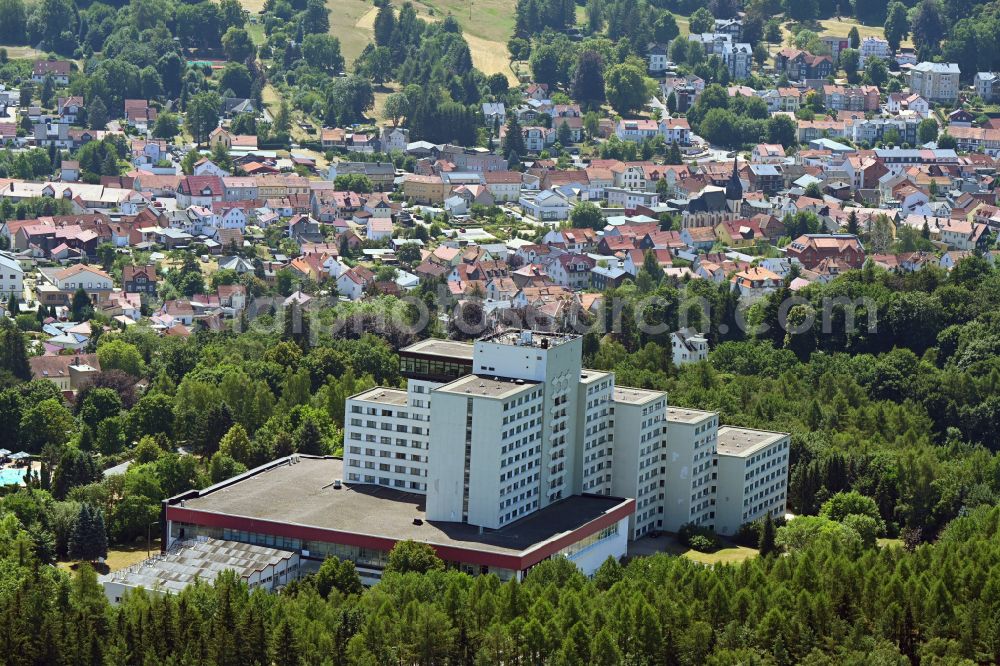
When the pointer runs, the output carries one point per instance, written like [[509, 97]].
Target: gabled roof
[[76, 269]]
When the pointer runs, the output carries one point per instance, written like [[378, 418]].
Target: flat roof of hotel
[[448, 349], [686, 415], [587, 376], [488, 386], [302, 494], [388, 396], [636, 396], [745, 441]]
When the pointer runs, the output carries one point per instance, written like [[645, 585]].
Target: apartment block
[[595, 422], [752, 477], [385, 443], [488, 451], [690, 468], [640, 429]]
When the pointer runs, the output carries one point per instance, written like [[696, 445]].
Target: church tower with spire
[[734, 190]]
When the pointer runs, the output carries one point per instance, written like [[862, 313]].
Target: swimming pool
[[12, 476]]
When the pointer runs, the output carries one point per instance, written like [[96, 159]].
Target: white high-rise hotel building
[[496, 430]]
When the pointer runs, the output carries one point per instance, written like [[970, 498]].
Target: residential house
[[936, 81], [688, 346], [799, 65], [636, 257], [378, 228], [604, 277], [206, 167], [572, 270], [392, 139], [139, 279], [699, 238], [902, 102], [95, 282], [810, 249], [766, 178], [965, 235], [754, 283], [240, 188], [767, 153], [425, 189], [636, 130], [70, 109], [69, 171], [732, 27], [675, 130], [352, 283], [874, 47], [139, 114], [11, 276], [505, 186], [494, 114], [200, 191], [572, 240], [657, 58], [545, 206], [234, 106], [381, 174], [739, 233], [58, 69], [68, 372], [969, 139], [987, 85], [738, 58]]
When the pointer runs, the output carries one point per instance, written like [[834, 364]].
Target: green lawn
[[18, 52], [728, 554], [839, 28], [253, 6], [890, 543], [119, 557], [487, 27], [344, 18], [722, 556], [256, 32], [684, 23], [492, 20]]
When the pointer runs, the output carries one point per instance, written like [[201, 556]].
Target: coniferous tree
[[853, 37], [513, 142], [765, 543], [48, 91], [852, 223], [88, 540], [309, 438], [284, 647], [81, 309], [212, 427], [674, 154], [14, 351]]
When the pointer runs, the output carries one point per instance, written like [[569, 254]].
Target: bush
[[699, 538], [702, 543]]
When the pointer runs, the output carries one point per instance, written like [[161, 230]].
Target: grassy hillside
[[487, 25]]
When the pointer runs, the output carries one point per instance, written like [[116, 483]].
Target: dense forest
[[827, 602]]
